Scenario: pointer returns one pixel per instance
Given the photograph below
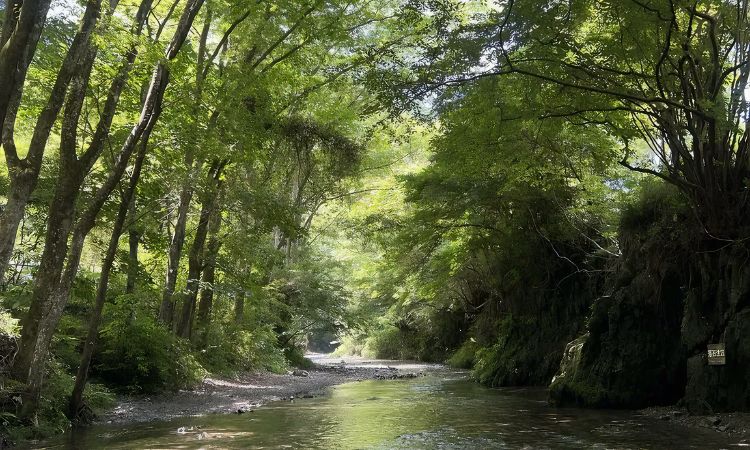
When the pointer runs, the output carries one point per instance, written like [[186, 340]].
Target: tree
[[53, 282], [670, 74]]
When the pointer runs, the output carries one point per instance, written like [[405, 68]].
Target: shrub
[[229, 349], [143, 356], [50, 419], [465, 356]]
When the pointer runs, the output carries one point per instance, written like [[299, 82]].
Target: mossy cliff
[[671, 295]]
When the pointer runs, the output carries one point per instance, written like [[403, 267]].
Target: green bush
[[354, 345], [50, 418], [465, 356], [229, 349], [296, 357], [143, 356]]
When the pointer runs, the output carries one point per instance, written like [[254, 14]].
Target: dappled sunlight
[[375, 224], [429, 412]]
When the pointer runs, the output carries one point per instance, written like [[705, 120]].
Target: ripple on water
[[423, 413]]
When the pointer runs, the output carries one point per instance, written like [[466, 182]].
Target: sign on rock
[[716, 355]]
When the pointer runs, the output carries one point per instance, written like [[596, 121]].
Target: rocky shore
[[735, 424]]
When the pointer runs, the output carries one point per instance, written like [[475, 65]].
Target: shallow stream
[[438, 411]]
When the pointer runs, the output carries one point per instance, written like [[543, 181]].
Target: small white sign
[[716, 355]]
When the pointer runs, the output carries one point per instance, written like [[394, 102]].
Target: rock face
[[672, 293], [570, 360], [722, 388], [632, 355], [630, 358], [526, 345]]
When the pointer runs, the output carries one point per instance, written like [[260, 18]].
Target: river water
[[438, 411]]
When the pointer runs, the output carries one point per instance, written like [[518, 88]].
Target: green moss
[[466, 355]]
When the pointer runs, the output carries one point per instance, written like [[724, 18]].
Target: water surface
[[443, 411]]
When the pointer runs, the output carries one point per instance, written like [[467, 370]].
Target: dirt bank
[[223, 395]]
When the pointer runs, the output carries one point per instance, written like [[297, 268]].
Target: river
[[442, 410]]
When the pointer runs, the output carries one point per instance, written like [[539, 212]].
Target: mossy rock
[[631, 358]]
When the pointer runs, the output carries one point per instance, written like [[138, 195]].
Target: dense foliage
[[199, 187]]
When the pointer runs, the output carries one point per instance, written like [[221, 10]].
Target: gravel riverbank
[[736, 424], [249, 391]]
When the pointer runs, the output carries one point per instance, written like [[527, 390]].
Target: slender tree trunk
[[166, 311], [76, 399], [239, 307], [24, 173], [10, 219], [134, 238], [22, 27], [205, 305], [195, 257], [195, 266], [51, 295], [167, 308]]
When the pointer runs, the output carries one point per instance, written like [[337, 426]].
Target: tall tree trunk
[[22, 27], [10, 219], [239, 307], [167, 308], [205, 305], [24, 173], [50, 296], [36, 331], [76, 398], [166, 311], [195, 257], [134, 237]]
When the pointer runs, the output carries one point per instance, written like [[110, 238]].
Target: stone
[[300, 373], [713, 421]]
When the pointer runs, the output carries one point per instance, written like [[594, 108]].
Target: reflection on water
[[444, 412]]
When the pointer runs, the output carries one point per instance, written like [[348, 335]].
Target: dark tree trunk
[[205, 306], [166, 311], [76, 407], [239, 307], [24, 173], [196, 255], [167, 308], [22, 27], [134, 238], [37, 329], [10, 219]]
